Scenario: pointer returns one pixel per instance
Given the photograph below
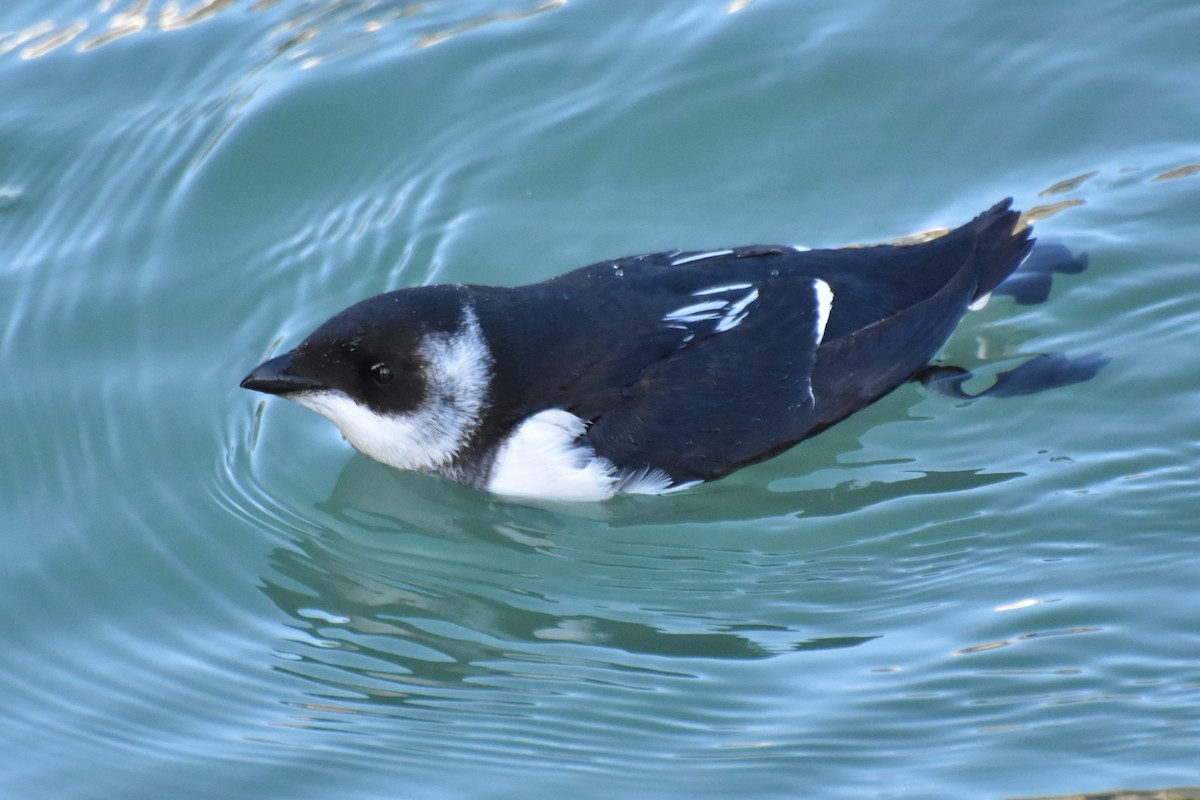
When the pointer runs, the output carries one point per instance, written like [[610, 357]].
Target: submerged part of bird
[[649, 373]]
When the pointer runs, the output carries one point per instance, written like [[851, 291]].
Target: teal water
[[208, 596]]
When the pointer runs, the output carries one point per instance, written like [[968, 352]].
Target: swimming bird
[[642, 374]]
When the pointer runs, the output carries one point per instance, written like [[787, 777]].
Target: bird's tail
[[999, 246]]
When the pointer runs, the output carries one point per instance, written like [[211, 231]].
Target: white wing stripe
[[700, 257], [823, 295], [737, 312], [728, 314], [733, 287], [697, 312]]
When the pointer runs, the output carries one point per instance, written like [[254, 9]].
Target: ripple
[[408, 595], [307, 33], [210, 590], [1175, 793], [411, 598]]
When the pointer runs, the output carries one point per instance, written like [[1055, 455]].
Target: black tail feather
[[1000, 247]]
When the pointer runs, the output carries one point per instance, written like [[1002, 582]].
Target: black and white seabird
[[641, 374]]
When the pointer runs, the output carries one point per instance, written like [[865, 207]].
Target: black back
[[698, 400]]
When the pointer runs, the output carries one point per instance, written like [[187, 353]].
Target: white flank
[[542, 458], [700, 257], [647, 480], [823, 295], [457, 368]]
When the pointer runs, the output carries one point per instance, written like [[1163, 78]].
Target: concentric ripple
[[209, 594]]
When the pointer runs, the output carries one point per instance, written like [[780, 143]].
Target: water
[[206, 596]]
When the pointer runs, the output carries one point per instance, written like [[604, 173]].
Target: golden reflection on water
[[449, 33], [982, 648], [1069, 184], [1177, 793], [46, 36], [1044, 211], [1178, 172]]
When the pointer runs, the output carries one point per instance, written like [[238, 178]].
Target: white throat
[[458, 368]]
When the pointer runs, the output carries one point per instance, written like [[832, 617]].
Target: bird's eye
[[381, 373]]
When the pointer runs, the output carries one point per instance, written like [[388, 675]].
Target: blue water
[[206, 595]]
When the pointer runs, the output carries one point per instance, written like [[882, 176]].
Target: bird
[[646, 374]]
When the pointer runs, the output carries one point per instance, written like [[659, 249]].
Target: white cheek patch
[[457, 373], [459, 364], [726, 313], [404, 441], [823, 297]]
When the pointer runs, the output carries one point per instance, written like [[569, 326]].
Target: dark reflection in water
[[387, 628], [422, 585], [435, 505], [387, 606]]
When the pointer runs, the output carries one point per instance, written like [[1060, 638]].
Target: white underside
[[543, 458], [980, 303]]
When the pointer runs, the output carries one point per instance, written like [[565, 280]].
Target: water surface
[[211, 596]]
